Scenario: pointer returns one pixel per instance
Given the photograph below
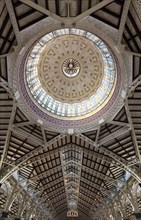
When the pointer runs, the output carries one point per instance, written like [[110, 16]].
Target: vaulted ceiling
[[98, 158]]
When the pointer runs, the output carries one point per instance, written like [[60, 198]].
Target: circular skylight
[[70, 73]]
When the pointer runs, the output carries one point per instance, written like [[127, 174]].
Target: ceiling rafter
[[43, 174], [126, 7], [118, 159], [14, 21], [41, 9], [5, 150], [92, 10], [27, 135], [114, 135], [26, 157], [137, 150], [99, 174], [3, 68], [52, 183], [70, 146]]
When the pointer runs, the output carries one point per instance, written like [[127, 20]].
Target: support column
[[30, 211], [21, 207], [114, 212], [132, 199], [10, 198], [8, 203], [135, 204], [4, 216], [122, 208]]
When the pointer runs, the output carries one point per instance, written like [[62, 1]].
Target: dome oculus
[[70, 74]]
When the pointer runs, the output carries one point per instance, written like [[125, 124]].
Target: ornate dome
[[70, 73], [70, 78]]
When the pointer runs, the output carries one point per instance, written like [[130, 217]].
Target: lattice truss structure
[[43, 168]]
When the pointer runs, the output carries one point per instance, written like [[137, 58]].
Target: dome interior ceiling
[[97, 158]]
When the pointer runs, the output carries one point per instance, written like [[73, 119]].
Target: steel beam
[[67, 20], [132, 53], [71, 146], [118, 160], [6, 86], [96, 173], [134, 84], [43, 134], [14, 21], [51, 183], [20, 124], [126, 7], [5, 150], [97, 135], [27, 135], [41, 9], [10, 197], [54, 169], [15, 165], [94, 185], [90, 11], [114, 135], [124, 124], [137, 150]]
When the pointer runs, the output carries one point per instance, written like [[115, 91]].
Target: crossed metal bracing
[[34, 151]]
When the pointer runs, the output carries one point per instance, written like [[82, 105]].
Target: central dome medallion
[[70, 74], [71, 67]]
